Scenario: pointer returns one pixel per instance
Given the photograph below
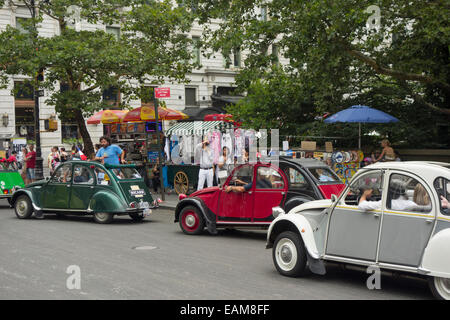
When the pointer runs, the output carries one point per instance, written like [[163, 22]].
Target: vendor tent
[[361, 114], [195, 127]]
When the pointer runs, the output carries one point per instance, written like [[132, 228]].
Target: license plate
[[144, 205], [147, 212], [137, 193]]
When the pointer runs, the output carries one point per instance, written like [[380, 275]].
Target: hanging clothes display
[[238, 143], [250, 139], [187, 149], [167, 149], [227, 141], [175, 149], [215, 144]]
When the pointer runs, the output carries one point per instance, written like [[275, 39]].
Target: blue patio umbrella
[[361, 114]]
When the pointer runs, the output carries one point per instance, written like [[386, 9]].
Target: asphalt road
[[35, 255]]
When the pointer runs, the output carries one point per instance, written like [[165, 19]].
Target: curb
[[167, 206]]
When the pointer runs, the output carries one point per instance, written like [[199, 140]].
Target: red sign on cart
[[162, 93]]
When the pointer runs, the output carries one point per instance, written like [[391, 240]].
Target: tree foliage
[[338, 53], [151, 47]]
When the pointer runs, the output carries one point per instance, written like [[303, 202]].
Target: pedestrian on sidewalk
[[225, 166], [63, 155], [53, 159], [156, 176], [23, 173], [387, 154], [206, 164], [12, 160], [30, 160]]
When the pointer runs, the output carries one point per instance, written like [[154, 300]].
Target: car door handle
[[376, 215], [67, 185], [250, 192], [429, 220]]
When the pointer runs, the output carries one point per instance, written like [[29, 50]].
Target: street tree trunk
[[87, 141]]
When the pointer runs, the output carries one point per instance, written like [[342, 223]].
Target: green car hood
[[37, 183]]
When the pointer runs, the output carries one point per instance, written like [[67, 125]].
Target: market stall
[[141, 136], [182, 173]]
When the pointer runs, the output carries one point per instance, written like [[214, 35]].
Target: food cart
[[139, 141]]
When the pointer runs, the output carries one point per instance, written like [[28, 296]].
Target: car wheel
[[23, 207], [137, 217], [291, 206], [103, 217], [191, 220], [440, 287], [289, 254]]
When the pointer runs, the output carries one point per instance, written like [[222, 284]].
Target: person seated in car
[[445, 204], [396, 199], [261, 183], [421, 199], [323, 176], [83, 177]]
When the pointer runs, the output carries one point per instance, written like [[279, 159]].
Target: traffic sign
[[162, 93]]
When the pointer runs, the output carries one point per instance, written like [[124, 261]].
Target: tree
[[339, 52], [151, 47]]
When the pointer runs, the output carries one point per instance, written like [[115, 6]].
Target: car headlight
[[276, 211]]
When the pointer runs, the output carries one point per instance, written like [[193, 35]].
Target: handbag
[[222, 174]]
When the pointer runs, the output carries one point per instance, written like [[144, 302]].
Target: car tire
[[440, 287], [103, 217], [191, 220], [289, 254], [292, 206], [23, 207], [136, 217]]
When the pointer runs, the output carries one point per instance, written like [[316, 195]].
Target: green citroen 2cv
[[10, 181], [86, 188]]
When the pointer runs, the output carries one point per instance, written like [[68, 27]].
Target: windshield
[[126, 173], [324, 174]]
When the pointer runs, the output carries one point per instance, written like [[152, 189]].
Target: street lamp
[[37, 94]]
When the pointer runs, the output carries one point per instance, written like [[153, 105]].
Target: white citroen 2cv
[[393, 215]]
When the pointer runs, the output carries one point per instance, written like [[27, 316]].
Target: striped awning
[[195, 127]]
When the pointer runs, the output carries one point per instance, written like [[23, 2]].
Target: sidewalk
[[170, 202]]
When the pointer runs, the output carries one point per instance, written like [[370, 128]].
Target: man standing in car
[[109, 153]]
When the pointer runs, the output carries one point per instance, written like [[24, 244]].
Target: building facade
[[207, 92]]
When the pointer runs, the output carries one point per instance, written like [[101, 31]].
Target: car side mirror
[[47, 178], [334, 198]]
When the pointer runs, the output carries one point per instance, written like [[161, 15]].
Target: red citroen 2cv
[[288, 184]]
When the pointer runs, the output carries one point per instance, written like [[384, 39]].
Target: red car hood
[[204, 191]]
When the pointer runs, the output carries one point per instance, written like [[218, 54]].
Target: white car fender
[[304, 229], [436, 257]]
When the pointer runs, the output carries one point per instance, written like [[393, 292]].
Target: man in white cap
[[205, 155]]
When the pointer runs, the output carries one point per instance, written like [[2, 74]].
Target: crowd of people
[[25, 160], [215, 173]]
